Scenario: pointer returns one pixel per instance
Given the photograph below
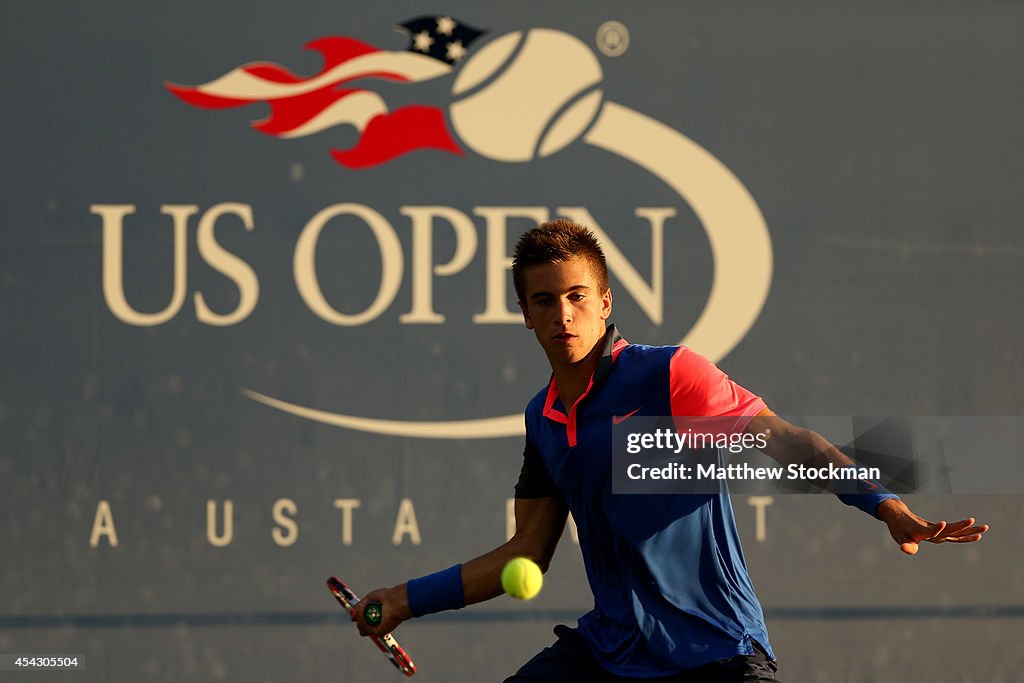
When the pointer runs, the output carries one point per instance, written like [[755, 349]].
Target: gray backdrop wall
[[873, 268]]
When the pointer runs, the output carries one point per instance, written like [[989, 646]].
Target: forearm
[[481, 580], [791, 445], [798, 446], [539, 525]]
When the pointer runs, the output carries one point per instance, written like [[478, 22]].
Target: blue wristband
[[868, 495], [436, 592], [868, 502]]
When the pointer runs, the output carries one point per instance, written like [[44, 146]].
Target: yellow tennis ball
[[521, 578]]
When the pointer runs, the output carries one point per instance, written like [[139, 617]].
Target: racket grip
[[373, 614]]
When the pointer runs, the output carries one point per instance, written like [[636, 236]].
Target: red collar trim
[[617, 348], [550, 411]]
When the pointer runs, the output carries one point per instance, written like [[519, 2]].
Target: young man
[[673, 601]]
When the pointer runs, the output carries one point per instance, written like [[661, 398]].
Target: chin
[[574, 356], [563, 354]]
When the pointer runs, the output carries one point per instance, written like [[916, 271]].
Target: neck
[[573, 378]]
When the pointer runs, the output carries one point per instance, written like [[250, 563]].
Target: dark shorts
[[570, 660]]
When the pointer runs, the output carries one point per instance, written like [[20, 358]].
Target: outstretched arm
[[787, 444], [539, 525]]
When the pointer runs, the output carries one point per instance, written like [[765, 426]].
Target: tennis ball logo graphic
[[521, 578], [526, 95]]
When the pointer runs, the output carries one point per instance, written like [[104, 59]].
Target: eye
[[577, 297]]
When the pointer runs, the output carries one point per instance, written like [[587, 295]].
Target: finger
[[364, 629], [964, 539], [935, 531], [910, 548], [958, 526], [961, 539], [968, 535], [959, 530], [969, 531], [927, 531]]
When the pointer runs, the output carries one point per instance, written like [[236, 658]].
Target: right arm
[[539, 526]]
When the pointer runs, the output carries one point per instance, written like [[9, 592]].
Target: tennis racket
[[387, 643]]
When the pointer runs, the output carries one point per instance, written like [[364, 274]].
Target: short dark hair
[[555, 242]]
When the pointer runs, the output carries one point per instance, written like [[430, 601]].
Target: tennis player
[[672, 597]]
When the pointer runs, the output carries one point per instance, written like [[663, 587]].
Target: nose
[[565, 312]]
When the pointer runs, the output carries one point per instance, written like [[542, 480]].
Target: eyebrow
[[574, 288]]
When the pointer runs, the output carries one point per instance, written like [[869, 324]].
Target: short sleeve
[[700, 389], [534, 479]]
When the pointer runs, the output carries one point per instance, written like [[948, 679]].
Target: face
[[565, 308]]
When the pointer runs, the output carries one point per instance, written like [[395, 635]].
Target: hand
[[909, 530], [394, 606]]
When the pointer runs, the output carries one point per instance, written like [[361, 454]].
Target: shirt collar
[[609, 352], [612, 345]]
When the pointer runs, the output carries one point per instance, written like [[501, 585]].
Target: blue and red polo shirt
[[671, 589]]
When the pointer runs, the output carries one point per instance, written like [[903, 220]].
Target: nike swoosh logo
[[616, 419], [871, 486]]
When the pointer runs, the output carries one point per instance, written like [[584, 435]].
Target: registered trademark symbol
[[612, 38]]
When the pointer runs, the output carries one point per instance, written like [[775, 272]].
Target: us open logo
[[515, 98]]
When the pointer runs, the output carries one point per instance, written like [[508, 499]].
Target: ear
[[606, 304], [526, 315]]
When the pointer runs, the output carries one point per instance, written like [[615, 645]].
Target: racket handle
[[373, 614]]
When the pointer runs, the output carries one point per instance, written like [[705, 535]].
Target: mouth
[[563, 337]]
